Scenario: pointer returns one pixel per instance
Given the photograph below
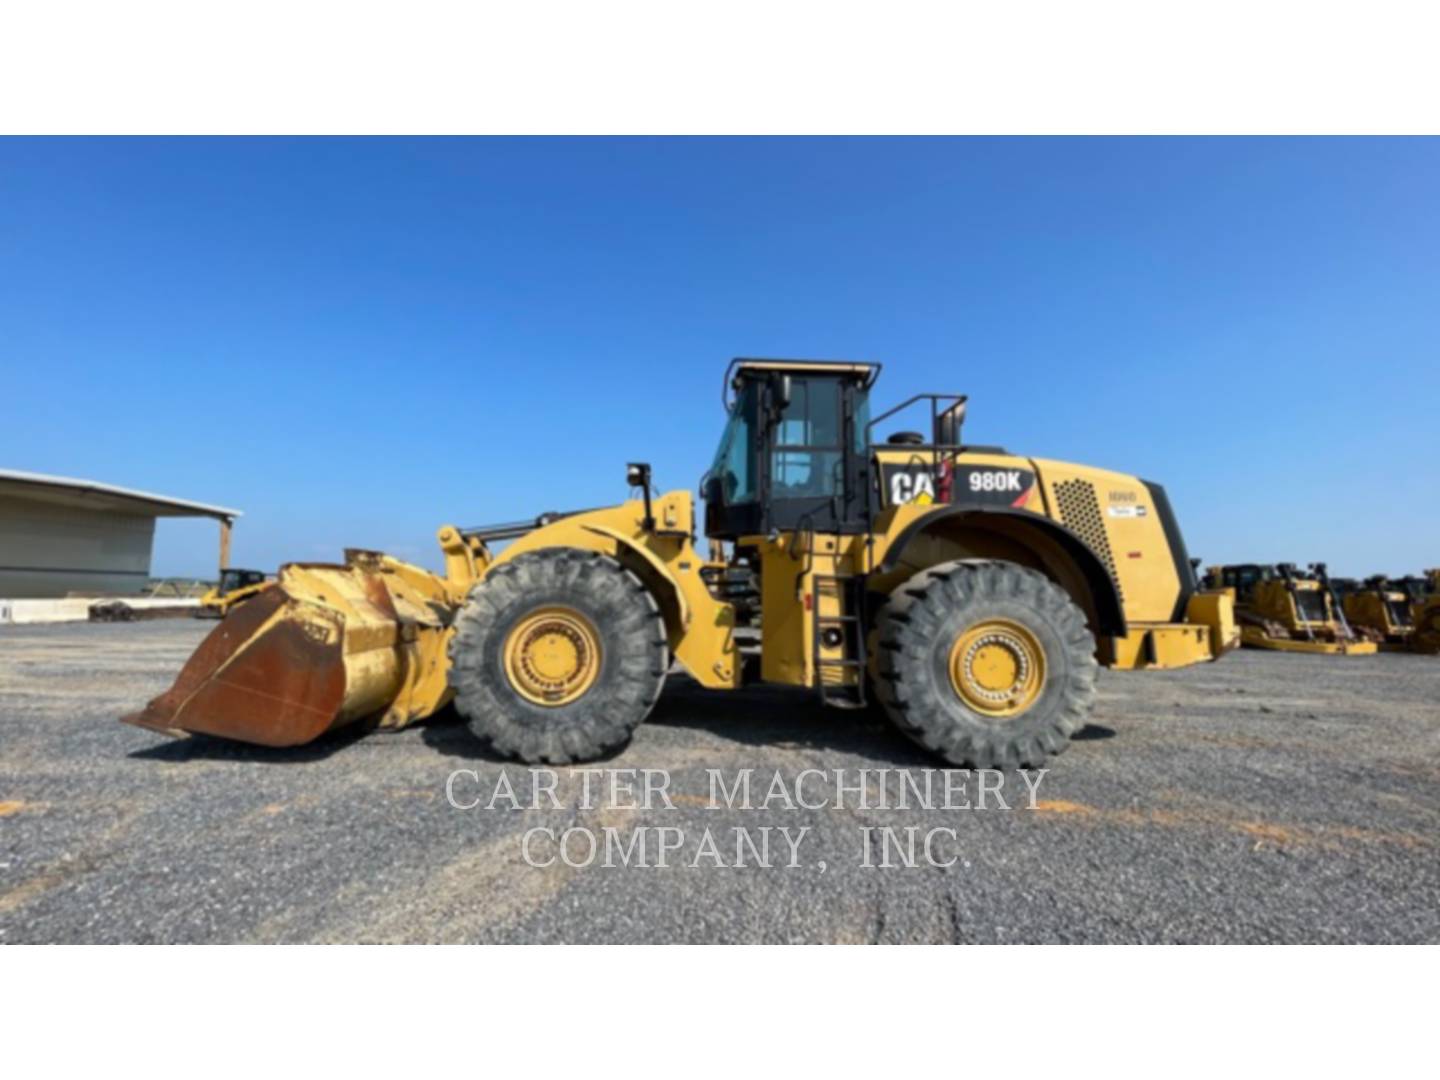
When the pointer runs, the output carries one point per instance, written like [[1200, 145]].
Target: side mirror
[[782, 393]]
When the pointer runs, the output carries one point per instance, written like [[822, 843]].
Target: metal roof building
[[60, 536]]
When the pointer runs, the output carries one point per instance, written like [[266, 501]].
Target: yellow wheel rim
[[552, 656], [997, 668]]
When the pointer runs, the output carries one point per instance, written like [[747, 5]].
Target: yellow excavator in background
[[972, 591], [1282, 607]]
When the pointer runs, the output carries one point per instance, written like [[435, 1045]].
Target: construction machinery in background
[[1281, 607], [1425, 599], [235, 585], [1378, 610], [1409, 607], [973, 592]]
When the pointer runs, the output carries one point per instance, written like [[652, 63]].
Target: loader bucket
[[323, 647]]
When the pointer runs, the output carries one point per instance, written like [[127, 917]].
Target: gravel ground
[[1267, 798]]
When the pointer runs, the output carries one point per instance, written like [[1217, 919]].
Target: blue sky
[[355, 341]]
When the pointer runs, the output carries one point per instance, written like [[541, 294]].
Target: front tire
[[558, 656], [988, 664]]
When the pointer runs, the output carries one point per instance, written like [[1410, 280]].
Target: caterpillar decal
[[963, 485]]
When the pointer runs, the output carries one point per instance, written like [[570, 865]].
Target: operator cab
[[1242, 578], [232, 579], [793, 453], [1412, 587]]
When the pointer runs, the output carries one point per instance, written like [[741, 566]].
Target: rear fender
[[1051, 544]]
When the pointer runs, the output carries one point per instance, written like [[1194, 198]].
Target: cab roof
[[741, 364], [858, 367]]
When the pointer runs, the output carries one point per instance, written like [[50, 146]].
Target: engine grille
[[1080, 513]]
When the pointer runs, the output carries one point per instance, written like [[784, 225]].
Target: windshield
[[735, 465]]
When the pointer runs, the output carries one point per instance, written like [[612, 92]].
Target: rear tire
[[988, 664], [558, 656]]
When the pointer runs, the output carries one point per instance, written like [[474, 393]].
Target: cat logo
[[980, 486], [916, 486]]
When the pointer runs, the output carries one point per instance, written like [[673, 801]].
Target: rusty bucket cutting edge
[[323, 647]]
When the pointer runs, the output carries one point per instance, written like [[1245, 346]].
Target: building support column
[[225, 524]]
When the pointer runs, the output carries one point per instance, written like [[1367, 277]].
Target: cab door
[[812, 475]]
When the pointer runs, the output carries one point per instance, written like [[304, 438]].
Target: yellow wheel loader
[[1282, 607], [973, 591]]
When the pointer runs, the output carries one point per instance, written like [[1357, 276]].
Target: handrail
[[935, 412], [937, 452], [510, 530]]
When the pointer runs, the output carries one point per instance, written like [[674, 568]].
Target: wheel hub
[[997, 667], [552, 656]]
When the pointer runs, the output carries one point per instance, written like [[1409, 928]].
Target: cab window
[[735, 461]]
